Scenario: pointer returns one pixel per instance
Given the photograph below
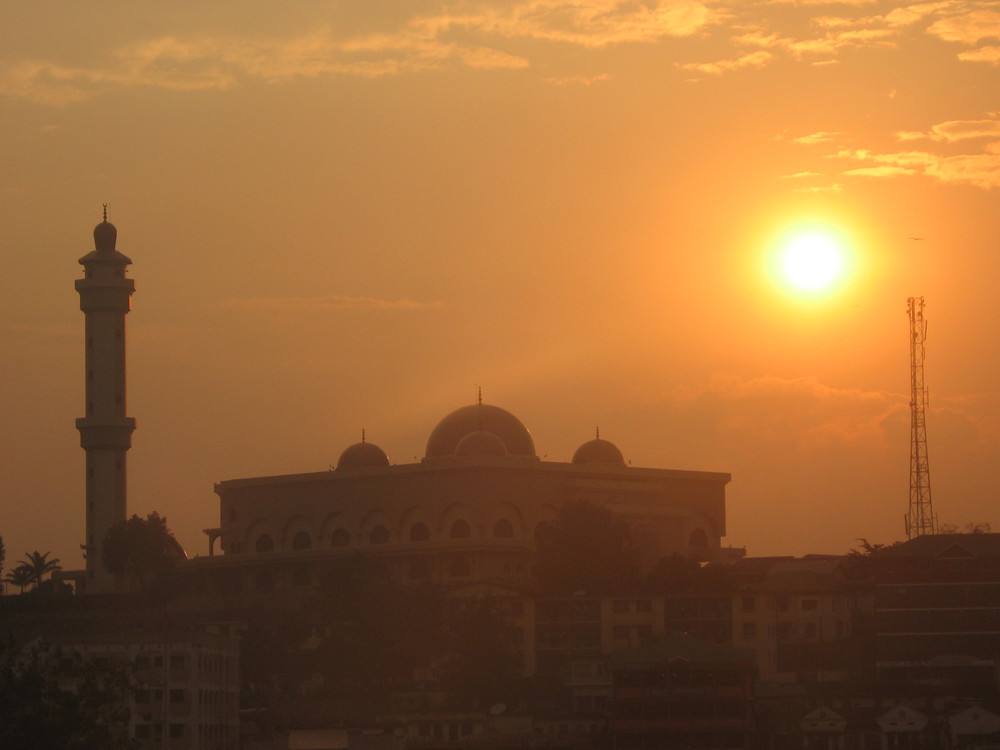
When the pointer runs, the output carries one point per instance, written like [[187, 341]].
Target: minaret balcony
[[105, 294], [102, 433]]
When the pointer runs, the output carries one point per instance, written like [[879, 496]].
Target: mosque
[[467, 513]]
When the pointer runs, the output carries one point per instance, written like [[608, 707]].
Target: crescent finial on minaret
[[105, 211]]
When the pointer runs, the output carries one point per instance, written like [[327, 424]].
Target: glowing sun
[[812, 262]]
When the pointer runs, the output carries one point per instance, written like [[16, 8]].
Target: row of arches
[[502, 528]]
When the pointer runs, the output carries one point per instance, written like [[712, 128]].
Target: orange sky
[[345, 216]]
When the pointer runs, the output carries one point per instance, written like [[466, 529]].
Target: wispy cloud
[[969, 27], [327, 303], [578, 80], [757, 59], [822, 136], [801, 411], [472, 38], [980, 170], [986, 54]]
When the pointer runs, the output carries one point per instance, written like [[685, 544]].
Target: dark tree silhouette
[[677, 574], [587, 548], [39, 713], [142, 550], [39, 565], [483, 667], [20, 576]]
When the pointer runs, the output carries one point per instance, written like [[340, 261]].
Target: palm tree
[[20, 576], [39, 565]]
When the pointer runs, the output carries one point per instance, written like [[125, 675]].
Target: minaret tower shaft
[[105, 431]]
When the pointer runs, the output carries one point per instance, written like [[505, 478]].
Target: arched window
[[419, 571], [698, 538], [460, 529], [542, 529], [503, 529], [419, 532], [379, 535], [340, 538], [264, 543], [302, 540], [459, 567]]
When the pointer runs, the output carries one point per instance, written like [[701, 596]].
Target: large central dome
[[479, 418]]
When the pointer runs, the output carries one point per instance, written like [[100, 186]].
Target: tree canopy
[[40, 713], [142, 550], [587, 548], [39, 565]]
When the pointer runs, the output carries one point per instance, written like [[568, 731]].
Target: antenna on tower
[[920, 518]]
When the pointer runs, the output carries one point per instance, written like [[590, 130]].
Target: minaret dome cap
[[105, 234]]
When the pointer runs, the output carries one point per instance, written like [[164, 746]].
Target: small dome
[[480, 443], [362, 455], [598, 451], [478, 418], [105, 236]]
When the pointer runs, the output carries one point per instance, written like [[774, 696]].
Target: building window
[[503, 529], [340, 538], [460, 529], [379, 535], [301, 576], [176, 731], [302, 540], [419, 532], [783, 603], [643, 605], [459, 567], [620, 632], [810, 604], [264, 543], [749, 604], [177, 662], [419, 571], [809, 631], [177, 696], [619, 606], [749, 631], [264, 581]]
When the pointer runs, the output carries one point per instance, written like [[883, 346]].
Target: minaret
[[105, 433]]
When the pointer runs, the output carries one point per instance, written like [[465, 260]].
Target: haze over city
[[345, 217]]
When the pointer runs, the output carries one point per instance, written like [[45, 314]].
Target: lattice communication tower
[[920, 519]]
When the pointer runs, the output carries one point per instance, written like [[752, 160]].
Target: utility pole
[[920, 518]]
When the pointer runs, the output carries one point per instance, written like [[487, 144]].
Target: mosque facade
[[468, 512]]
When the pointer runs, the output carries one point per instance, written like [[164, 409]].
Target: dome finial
[[598, 432], [362, 434], [105, 212], [479, 396]]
